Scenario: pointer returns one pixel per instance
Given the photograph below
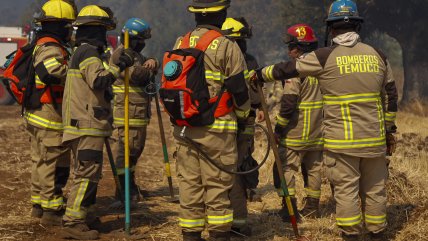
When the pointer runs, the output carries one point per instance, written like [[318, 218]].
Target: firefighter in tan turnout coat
[[299, 126], [141, 74], [51, 160], [204, 189], [87, 113], [360, 104]]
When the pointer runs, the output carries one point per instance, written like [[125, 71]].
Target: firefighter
[[239, 30], [298, 126], [51, 160], [360, 105], [204, 189], [141, 75], [87, 113]]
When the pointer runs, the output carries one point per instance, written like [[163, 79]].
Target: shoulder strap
[[206, 39], [185, 41], [45, 40]]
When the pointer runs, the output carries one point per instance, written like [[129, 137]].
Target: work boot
[[79, 231], [285, 215], [36, 211], [192, 236], [378, 236], [52, 218], [350, 237], [244, 230], [219, 236], [311, 208]]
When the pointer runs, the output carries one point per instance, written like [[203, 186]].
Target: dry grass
[[157, 218]]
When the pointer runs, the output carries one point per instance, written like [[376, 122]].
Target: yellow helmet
[[236, 28], [96, 15], [208, 6], [56, 10]]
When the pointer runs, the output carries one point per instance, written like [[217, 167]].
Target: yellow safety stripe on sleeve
[[313, 193], [224, 125], [52, 62], [54, 203], [37, 120], [357, 143], [214, 75], [282, 121], [75, 211], [223, 219], [74, 73], [375, 219], [38, 81], [300, 143], [242, 113], [310, 105], [390, 116], [291, 192], [132, 122], [381, 117], [246, 74], [91, 60], [112, 69], [121, 89], [349, 221], [86, 131], [121, 171], [191, 223], [267, 73], [249, 130], [36, 199]]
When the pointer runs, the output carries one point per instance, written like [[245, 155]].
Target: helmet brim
[[339, 18], [90, 20], [197, 9]]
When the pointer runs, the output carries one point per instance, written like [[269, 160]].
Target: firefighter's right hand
[[126, 59], [391, 144]]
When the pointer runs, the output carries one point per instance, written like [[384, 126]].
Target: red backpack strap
[[44, 40], [206, 39], [185, 41]]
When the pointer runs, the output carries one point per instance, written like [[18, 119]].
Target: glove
[[280, 131], [242, 124], [126, 59], [256, 78], [391, 144]]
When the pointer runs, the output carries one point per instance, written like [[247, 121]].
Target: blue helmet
[[137, 28], [343, 10]]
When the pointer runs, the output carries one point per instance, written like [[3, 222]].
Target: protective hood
[[57, 30], [93, 35], [348, 39], [214, 19]]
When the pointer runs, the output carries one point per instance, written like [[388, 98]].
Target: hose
[[204, 154]]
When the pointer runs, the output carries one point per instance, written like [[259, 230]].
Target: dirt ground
[[156, 216]]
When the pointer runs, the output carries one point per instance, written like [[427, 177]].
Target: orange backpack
[[184, 92], [19, 78]]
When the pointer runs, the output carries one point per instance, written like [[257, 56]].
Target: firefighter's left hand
[[391, 144], [150, 64], [260, 116]]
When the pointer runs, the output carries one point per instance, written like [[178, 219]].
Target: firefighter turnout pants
[[204, 189], [311, 161], [137, 140], [50, 168], [358, 180], [87, 167], [238, 194]]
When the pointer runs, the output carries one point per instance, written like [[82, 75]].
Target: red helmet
[[302, 36]]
